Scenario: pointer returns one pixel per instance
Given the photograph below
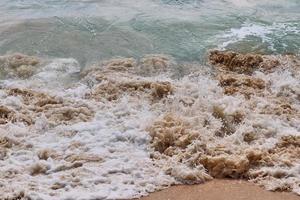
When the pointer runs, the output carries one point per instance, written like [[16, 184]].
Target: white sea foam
[[267, 33], [107, 152]]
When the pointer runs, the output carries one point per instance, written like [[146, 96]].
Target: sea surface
[[90, 30], [113, 99]]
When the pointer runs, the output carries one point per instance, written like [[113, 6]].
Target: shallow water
[[101, 29], [76, 125]]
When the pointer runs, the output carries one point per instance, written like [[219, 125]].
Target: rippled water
[[91, 30]]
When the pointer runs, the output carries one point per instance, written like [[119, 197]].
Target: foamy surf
[[113, 100], [264, 32], [127, 127]]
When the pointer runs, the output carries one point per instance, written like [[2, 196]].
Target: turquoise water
[[90, 30]]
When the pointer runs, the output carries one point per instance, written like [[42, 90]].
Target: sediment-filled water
[[115, 99]]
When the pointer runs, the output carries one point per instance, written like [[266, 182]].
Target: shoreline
[[220, 189], [139, 128]]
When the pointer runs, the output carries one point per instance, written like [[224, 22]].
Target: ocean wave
[[124, 127]]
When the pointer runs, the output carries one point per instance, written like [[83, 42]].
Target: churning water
[[111, 99]]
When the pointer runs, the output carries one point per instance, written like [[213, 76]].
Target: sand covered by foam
[[125, 127]]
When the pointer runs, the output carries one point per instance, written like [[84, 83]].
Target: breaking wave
[[78, 122], [125, 127]]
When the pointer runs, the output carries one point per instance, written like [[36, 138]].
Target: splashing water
[[119, 99]]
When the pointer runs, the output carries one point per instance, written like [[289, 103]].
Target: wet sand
[[220, 190]]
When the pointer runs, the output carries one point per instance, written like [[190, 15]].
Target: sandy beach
[[220, 190]]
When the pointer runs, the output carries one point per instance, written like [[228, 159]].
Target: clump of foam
[[241, 84], [117, 77], [44, 154], [241, 63], [171, 133], [38, 168], [55, 109], [8, 115], [18, 65], [225, 166], [5, 143], [114, 90], [120, 64], [155, 64], [229, 120]]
